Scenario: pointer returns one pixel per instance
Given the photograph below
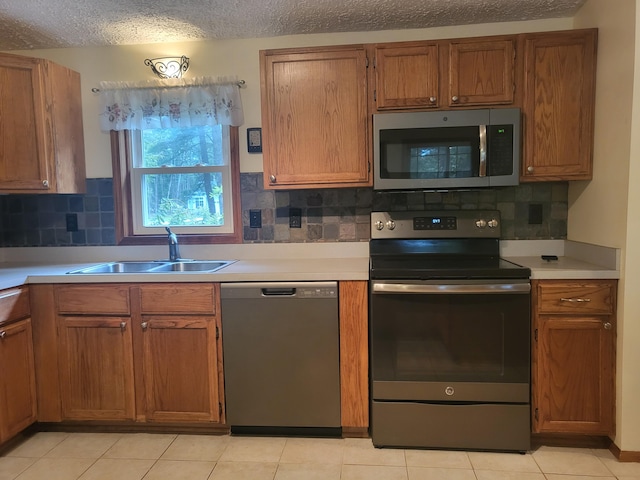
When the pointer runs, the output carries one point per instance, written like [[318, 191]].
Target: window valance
[[170, 103]]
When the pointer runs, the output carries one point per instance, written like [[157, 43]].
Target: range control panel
[[436, 224]]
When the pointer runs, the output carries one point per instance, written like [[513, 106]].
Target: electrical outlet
[[255, 218], [72, 222], [535, 214], [295, 218]]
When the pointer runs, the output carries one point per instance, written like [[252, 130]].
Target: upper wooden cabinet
[[481, 72], [444, 74], [41, 139], [558, 110], [573, 356], [406, 76], [314, 117]]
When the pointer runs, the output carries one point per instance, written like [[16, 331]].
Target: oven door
[[450, 341]]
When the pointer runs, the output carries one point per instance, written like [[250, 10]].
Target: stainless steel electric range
[[449, 333]]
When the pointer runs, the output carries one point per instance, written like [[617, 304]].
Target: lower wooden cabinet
[[573, 356], [17, 382], [121, 360]]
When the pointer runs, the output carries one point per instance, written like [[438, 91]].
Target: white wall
[[601, 211], [232, 57]]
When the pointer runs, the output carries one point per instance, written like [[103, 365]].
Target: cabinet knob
[[432, 100], [144, 325], [3, 334], [123, 326], [45, 183], [607, 325], [530, 169], [455, 99], [272, 178]]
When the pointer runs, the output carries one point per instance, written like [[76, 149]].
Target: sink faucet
[[174, 253]]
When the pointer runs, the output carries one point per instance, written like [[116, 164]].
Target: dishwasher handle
[[278, 292]]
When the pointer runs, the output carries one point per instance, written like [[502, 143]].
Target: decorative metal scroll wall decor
[[168, 67]]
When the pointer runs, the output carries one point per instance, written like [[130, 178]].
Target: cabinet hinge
[[217, 333], [535, 414], [219, 409], [375, 95], [368, 167], [366, 62], [535, 334]]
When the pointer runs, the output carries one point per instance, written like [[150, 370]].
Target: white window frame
[[138, 202]]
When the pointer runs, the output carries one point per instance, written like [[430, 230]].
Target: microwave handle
[[482, 170]]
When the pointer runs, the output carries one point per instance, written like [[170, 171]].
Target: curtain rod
[[239, 83]]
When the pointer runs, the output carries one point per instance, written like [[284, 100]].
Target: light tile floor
[[109, 456]]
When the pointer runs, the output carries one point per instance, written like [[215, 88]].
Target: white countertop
[[284, 262]]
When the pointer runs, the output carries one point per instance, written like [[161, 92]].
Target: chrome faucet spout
[[174, 252]]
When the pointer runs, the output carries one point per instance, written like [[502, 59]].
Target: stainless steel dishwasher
[[281, 357]]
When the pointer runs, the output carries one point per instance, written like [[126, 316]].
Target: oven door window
[[450, 338], [430, 153]]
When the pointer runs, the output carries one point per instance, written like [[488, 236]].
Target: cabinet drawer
[[576, 298], [196, 298], [14, 304], [104, 299]]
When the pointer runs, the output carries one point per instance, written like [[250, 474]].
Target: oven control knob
[[481, 223], [493, 223], [379, 225], [391, 224], [449, 391]]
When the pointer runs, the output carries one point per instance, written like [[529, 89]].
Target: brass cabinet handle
[[575, 300]]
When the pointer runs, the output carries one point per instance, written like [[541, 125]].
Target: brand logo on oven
[[449, 391]]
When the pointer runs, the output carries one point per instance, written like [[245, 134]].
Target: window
[[185, 178]]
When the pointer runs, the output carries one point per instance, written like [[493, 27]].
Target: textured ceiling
[[35, 24]]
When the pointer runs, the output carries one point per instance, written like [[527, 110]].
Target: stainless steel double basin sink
[[203, 266]]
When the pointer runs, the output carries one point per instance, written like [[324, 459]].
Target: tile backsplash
[[528, 211]]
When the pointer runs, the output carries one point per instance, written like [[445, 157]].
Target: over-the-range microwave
[[446, 150]]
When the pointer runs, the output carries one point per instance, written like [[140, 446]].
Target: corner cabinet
[[573, 353], [17, 382], [559, 103], [41, 139], [444, 74], [314, 117]]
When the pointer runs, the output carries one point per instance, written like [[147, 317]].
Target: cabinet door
[[24, 141], [481, 73], [314, 118], [406, 76], [559, 100], [574, 377], [96, 368], [180, 368], [17, 383]]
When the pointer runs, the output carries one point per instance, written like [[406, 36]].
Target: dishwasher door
[[281, 355]]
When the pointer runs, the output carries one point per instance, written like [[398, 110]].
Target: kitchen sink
[[154, 267]]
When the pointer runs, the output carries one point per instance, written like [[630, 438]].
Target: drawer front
[[14, 304], [107, 299], [194, 298], [576, 298]]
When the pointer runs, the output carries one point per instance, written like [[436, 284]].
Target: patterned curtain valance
[[170, 103]]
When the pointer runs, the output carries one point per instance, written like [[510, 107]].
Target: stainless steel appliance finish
[[281, 357], [446, 149], [449, 333]]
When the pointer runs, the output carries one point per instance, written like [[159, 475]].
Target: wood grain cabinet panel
[[574, 356], [96, 299], [96, 368], [314, 117], [17, 382], [41, 139], [559, 104]]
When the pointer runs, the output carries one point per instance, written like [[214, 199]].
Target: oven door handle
[[412, 288]]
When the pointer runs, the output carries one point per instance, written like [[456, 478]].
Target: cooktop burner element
[[425, 245]]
